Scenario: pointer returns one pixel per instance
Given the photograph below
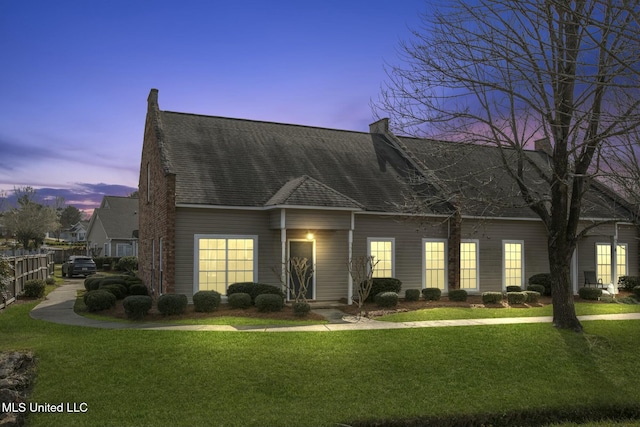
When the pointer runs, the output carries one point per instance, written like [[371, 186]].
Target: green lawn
[[452, 313], [178, 378]]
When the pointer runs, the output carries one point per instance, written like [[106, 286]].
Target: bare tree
[[298, 274], [361, 270], [505, 74], [30, 221]]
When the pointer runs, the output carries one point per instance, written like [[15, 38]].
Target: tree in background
[[30, 221], [505, 74]]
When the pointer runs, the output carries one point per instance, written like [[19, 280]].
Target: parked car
[[78, 266]]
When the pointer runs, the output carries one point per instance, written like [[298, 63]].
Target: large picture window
[[223, 260], [435, 264], [513, 263], [603, 262], [469, 265], [382, 251]]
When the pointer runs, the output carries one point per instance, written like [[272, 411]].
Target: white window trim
[[610, 245], [196, 257], [446, 264], [393, 250], [477, 242], [522, 263]]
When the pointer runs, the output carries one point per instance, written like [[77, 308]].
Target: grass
[[151, 378], [452, 313]]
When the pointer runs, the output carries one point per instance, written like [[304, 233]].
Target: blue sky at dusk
[[75, 76]]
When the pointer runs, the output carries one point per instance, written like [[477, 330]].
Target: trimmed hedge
[[99, 300], [412, 294], [34, 288], [92, 283], [384, 284], [516, 298], [206, 301], [239, 300], [301, 309], [458, 295], [386, 299], [514, 288], [543, 279], [137, 306], [628, 282], [269, 302], [491, 297], [636, 292], [171, 304], [532, 296], [138, 289], [590, 293], [120, 291], [127, 263], [431, 294], [536, 288], [254, 289]]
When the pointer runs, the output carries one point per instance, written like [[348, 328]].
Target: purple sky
[[75, 76]]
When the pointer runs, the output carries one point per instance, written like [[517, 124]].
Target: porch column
[[350, 279], [283, 248]]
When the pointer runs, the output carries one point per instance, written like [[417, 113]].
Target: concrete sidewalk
[[58, 308]]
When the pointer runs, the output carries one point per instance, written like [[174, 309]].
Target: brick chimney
[[544, 146], [381, 126]]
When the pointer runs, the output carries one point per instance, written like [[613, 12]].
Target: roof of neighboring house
[[118, 216], [243, 163]]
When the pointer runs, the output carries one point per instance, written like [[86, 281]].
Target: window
[[469, 265], [223, 260], [382, 251], [512, 262], [124, 249], [603, 262], [435, 265]]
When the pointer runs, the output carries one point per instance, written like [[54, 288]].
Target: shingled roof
[[118, 216], [230, 162]]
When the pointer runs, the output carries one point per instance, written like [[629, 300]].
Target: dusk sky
[[75, 76]]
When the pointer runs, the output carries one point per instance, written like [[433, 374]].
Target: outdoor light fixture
[[309, 235]]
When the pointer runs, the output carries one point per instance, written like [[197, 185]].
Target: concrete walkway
[[58, 308]]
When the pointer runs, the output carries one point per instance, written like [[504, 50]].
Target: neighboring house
[[113, 228], [227, 200], [76, 233]]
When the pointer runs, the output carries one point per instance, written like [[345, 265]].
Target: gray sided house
[[113, 228], [227, 200]]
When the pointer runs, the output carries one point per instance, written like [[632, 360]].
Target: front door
[[302, 249]]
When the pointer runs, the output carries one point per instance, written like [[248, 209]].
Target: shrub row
[[386, 299], [513, 298], [254, 289], [384, 284], [627, 283], [120, 286], [412, 294]]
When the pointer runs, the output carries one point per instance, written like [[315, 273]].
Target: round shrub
[[590, 293], [543, 279], [532, 296], [386, 299], [50, 281], [431, 294], [516, 298], [138, 289], [269, 302], [239, 300], [384, 284], [301, 308], [99, 300], [118, 290], [170, 304], [206, 301], [628, 282], [536, 288], [34, 288], [514, 288], [92, 283], [127, 263], [636, 292], [458, 295], [137, 306], [491, 297], [412, 294], [254, 289]]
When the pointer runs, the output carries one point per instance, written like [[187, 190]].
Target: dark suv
[[78, 266]]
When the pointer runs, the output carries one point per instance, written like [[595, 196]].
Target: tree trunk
[[564, 312]]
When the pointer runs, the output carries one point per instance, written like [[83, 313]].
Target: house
[[229, 200], [76, 233], [113, 228]]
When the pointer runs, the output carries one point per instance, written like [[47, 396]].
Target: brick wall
[[157, 207]]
